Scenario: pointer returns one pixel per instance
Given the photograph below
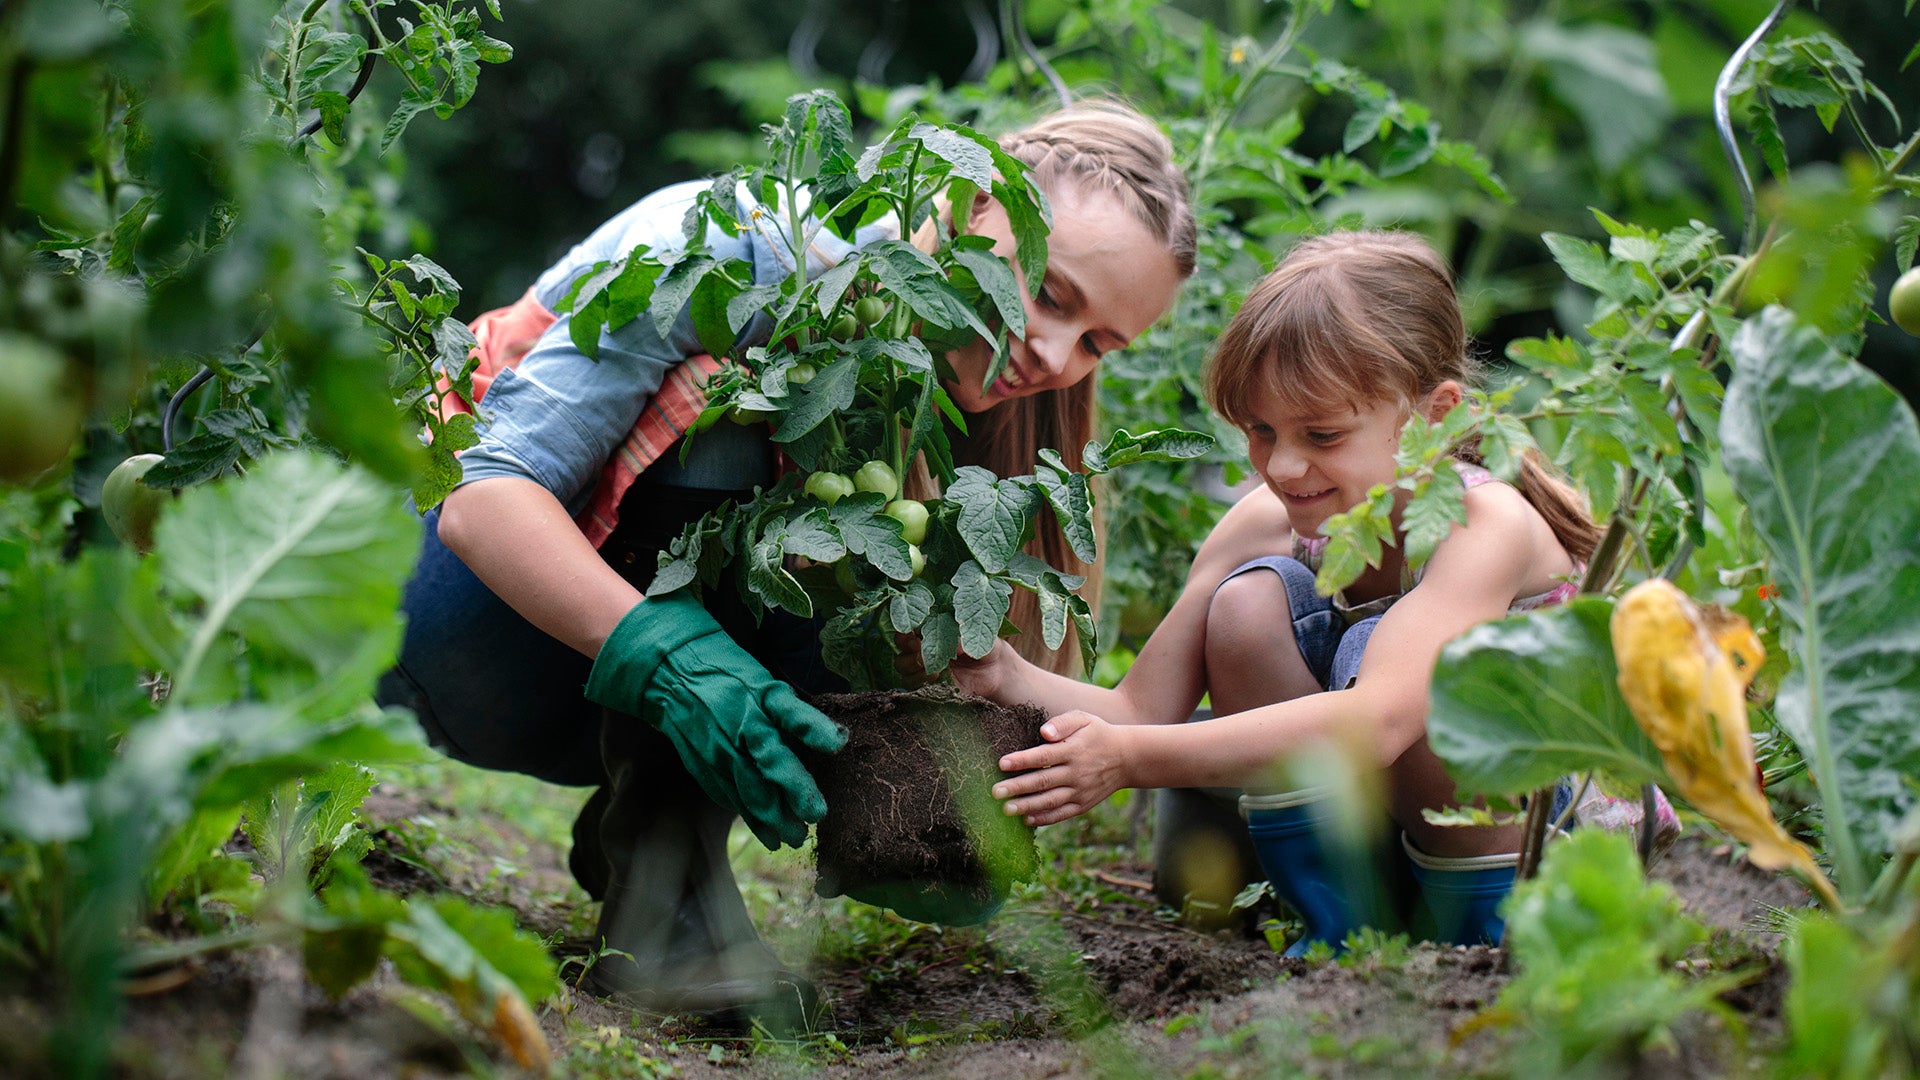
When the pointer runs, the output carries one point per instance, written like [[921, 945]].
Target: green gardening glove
[[669, 663]]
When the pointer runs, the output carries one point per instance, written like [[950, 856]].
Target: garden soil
[[1092, 984]]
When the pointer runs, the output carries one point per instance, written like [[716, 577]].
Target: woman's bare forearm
[[519, 541]]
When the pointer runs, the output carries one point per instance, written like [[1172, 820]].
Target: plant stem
[[1900, 158], [1533, 841], [1606, 554], [1282, 45]]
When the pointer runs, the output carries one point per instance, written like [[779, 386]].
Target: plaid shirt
[[505, 335]]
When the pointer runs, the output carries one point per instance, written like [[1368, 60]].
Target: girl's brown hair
[[1354, 317], [1088, 146]]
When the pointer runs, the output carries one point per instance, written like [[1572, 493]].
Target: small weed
[[1375, 950], [610, 1052], [1319, 953]]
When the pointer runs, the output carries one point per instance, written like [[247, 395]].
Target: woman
[[515, 605]]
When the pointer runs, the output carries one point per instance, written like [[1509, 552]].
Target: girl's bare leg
[[1418, 781], [1252, 658]]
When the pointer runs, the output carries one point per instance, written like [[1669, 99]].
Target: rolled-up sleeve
[[558, 416]]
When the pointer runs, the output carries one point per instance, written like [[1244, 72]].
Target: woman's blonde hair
[[1351, 318], [1089, 146]]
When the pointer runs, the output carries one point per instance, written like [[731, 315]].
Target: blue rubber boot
[[1463, 895], [1334, 891]]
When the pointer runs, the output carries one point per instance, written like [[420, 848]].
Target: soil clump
[[911, 821]]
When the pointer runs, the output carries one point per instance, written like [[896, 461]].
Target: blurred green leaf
[[1823, 454], [304, 559], [1520, 703]]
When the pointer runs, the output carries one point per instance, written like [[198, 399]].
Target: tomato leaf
[[872, 534], [1126, 448], [831, 391], [909, 609], [994, 514], [980, 603], [997, 281], [767, 576]]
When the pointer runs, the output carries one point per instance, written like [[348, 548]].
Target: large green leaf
[[980, 604], [1824, 454], [1521, 702], [831, 391], [868, 532], [1072, 501], [304, 559], [911, 275], [996, 279], [993, 514]]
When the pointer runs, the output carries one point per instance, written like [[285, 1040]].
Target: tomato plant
[[873, 405]]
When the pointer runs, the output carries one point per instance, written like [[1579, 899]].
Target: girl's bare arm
[[1169, 676]]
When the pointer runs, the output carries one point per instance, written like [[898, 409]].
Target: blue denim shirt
[[558, 416]]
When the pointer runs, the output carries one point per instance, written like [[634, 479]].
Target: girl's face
[[1325, 461], [1107, 280]]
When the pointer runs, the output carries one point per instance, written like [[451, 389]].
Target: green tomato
[[1904, 303], [912, 517], [749, 417], [915, 559], [870, 310], [844, 576], [801, 374], [131, 507], [877, 476], [828, 487], [844, 328], [40, 412]]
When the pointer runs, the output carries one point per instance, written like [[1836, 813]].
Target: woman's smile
[[1108, 279]]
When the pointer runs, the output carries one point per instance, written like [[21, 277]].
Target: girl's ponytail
[[1560, 504]]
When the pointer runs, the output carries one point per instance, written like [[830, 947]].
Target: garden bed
[[1078, 976]]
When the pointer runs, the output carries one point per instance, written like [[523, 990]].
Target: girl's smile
[[1326, 462]]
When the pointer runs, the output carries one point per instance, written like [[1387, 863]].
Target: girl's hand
[[1082, 762]]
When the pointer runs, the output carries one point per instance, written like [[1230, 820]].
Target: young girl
[[531, 579], [1332, 353]]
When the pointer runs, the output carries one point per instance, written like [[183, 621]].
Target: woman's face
[[1107, 280]]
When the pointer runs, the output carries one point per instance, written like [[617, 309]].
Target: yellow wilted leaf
[[519, 1032], [1679, 678]]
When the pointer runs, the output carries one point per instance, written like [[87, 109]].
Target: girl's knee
[[1243, 616]]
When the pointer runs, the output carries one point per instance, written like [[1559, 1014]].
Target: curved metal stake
[[1723, 116]]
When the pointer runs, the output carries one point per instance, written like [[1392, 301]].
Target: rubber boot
[[1462, 896], [1202, 855], [587, 858], [675, 932], [1334, 890]]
